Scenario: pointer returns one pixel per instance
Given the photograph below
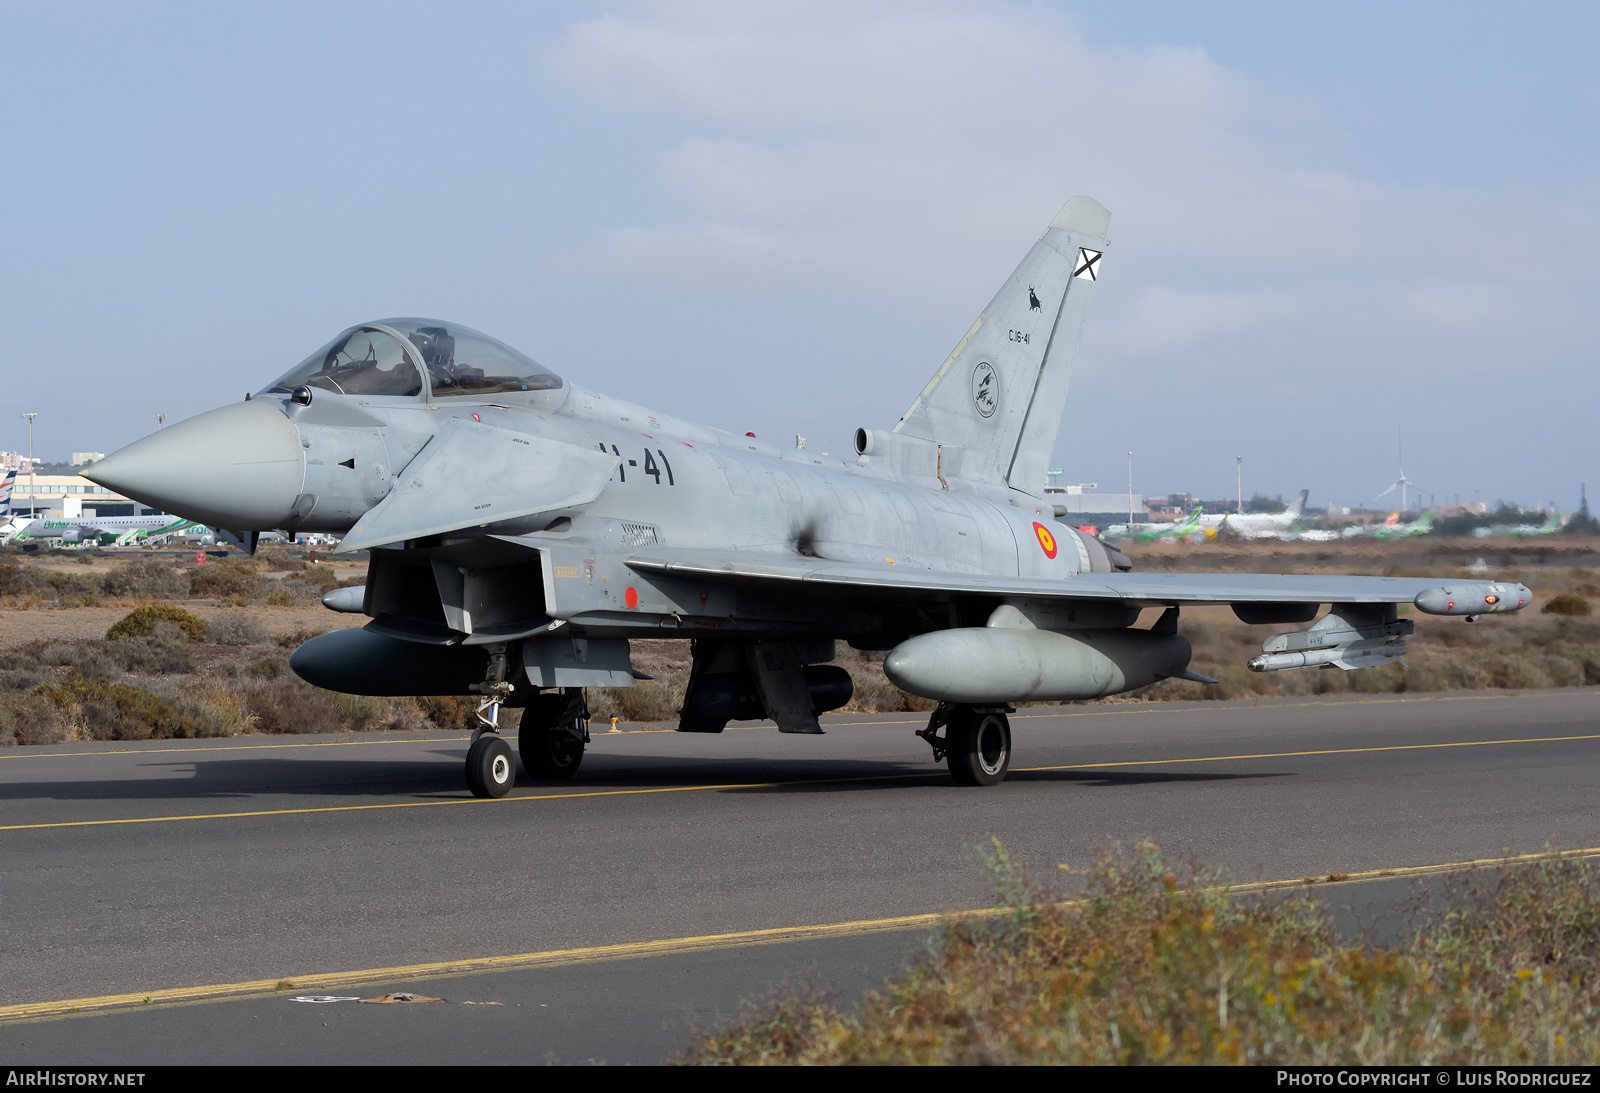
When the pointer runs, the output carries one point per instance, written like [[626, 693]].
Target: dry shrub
[[269, 663], [140, 621], [86, 657], [227, 582], [275, 558], [299, 638], [1457, 637], [34, 719], [1566, 604], [38, 585], [281, 598], [80, 706], [234, 629], [209, 708], [145, 579], [158, 654], [874, 694], [1512, 670], [1154, 967], [449, 711], [383, 714], [646, 700], [14, 679], [315, 582], [115, 711], [289, 705]]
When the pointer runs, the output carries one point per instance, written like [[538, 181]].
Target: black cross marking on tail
[[1088, 264], [1033, 300]]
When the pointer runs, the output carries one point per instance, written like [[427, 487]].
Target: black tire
[[491, 768], [979, 747], [549, 751]]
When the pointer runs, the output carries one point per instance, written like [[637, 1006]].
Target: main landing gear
[[976, 744], [554, 729]]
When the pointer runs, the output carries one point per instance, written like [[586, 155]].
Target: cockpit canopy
[[390, 357]]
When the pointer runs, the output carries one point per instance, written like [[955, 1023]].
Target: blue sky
[[1328, 222]]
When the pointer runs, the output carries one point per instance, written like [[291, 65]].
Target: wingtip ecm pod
[[1473, 598], [1084, 215]]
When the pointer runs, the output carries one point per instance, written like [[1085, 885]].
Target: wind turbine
[[1402, 483]]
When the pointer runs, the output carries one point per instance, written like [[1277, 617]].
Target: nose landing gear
[[551, 738], [491, 768]]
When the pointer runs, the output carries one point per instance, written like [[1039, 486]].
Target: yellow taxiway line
[[328, 982], [1318, 751], [582, 794], [19, 753]]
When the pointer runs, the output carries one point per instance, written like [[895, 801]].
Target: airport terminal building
[[1087, 508], [65, 496]]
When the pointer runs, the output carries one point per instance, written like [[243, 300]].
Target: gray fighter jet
[[521, 530]]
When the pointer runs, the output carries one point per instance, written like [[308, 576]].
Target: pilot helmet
[[437, 346]]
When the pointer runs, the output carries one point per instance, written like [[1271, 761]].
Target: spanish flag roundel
[[1047, 540]]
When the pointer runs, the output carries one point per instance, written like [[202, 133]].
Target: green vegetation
[[139, 622], [1148, 968], [227, 582], [36, 583], [25, 582], [1567, 604], [81, 706], [145, 579]]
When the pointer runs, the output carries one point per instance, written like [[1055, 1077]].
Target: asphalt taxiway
[[678, 874]]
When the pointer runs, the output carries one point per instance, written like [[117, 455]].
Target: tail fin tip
[[1084, 215]]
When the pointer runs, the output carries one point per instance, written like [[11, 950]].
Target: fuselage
[[678, 485], [332, 458]]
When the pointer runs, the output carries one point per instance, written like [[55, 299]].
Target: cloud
[[906, 154]]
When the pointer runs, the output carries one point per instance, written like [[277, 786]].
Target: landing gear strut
[[555, 727], [976, 744], [491, 768]]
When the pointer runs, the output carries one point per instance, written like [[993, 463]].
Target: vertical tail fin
[[6, 487], [1297, 507], [995, 405]]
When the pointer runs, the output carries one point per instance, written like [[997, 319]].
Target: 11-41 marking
[[650, 466]]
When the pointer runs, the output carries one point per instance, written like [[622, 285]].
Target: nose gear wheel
[[491, 768]]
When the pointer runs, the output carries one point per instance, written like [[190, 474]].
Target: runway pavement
[[171, 869]]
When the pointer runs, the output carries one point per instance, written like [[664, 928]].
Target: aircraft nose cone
[[240, 467]]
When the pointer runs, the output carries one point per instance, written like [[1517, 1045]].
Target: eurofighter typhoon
[[521, 530]]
